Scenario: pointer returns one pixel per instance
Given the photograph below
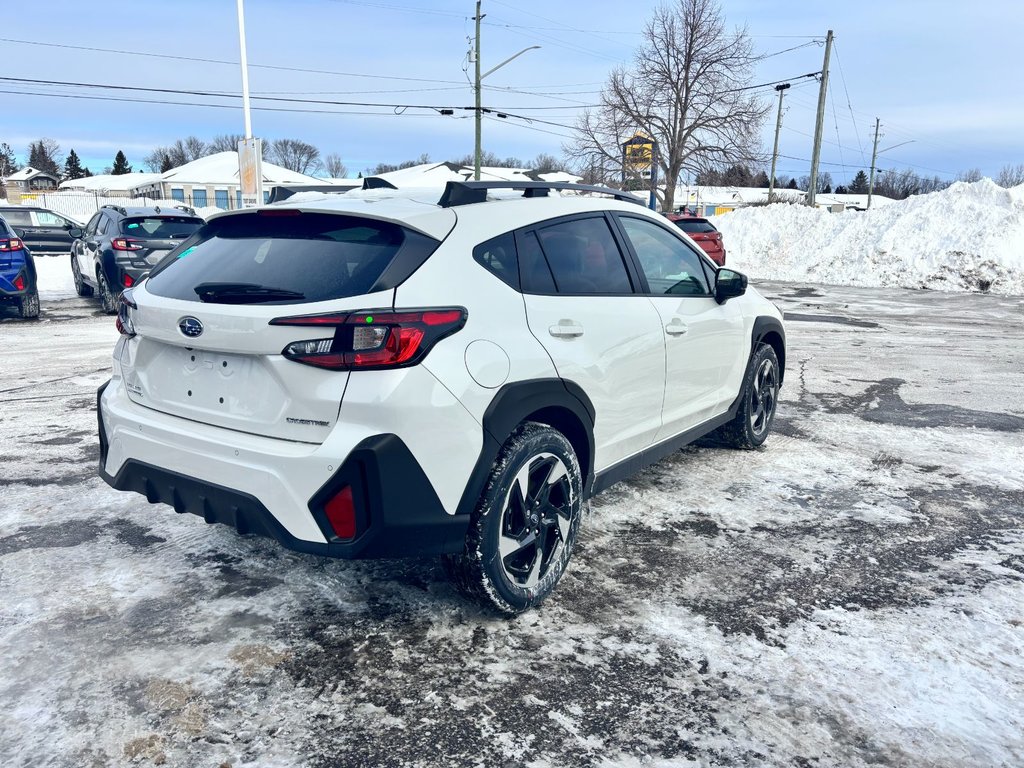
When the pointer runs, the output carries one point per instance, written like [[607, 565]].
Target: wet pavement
[[850, 595]]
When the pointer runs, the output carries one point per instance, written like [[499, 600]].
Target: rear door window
[[584, 257], [280, 258], [17, 218]]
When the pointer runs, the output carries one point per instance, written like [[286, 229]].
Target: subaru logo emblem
[[191, 327]]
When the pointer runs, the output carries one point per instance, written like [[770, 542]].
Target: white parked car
[[390, 377]]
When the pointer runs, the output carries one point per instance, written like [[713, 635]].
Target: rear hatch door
[[205, 348], [149, 238]]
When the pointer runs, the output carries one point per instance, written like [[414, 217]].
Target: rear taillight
[[124, 323], [11, 244], [372, 339], [129, 281], [19, 282], [125, 244]]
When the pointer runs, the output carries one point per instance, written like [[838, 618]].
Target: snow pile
[[969, 237]]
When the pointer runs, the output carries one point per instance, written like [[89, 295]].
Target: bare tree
[[1011, 175], [685, 89], [970, 175], [545, 163], [336, 169], [226, 142], [295, 155], [898, 185]]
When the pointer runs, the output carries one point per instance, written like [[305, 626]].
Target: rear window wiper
[[243, 293]]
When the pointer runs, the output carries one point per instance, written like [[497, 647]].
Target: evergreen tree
[[166, 163], [121, 166], [827, 190], [73, 166], [792, 184], [43, 155], [88, 173], [761, 180], [841, 190], [859, 185], [8, 162]]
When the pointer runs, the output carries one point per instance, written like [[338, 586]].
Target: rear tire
[[28, 305], [523, 531], [107, 298], [81, 287], [758, 400]]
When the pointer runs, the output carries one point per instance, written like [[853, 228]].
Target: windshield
[[280, 259], [160, 227]]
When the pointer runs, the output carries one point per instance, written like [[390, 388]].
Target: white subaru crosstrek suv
[[386, 376]]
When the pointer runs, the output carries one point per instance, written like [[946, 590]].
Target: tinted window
[[498, 255], [4, 230], [534, 273], [18, 218], [102, 224], [160, 226], [584, 258], [668, 263], [282, 259], [695, 225], [90, 229], [49, 219]]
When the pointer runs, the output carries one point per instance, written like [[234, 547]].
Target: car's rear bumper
[[276, 488]]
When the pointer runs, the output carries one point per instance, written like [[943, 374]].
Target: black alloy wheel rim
[[77, 273], [763, 397], [535, 520]]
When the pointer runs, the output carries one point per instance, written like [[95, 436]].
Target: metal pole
[[820, 124], [775, 152], [245, 71], [477, 115], [874, 156]]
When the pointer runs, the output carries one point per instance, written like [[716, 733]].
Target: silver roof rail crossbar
[[468, 192]]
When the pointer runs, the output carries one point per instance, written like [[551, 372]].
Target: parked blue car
[[18, 284]]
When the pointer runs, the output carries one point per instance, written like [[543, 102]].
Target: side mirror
[[76, 232], [729, 285]]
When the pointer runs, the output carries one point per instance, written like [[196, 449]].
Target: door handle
[[566, 329], [676, 328]]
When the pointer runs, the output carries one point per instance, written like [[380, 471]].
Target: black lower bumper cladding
[[399, 512]]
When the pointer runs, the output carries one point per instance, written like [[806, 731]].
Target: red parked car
[[702, 232]]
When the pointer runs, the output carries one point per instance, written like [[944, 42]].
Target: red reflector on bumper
[[19, 283], [341, 513]]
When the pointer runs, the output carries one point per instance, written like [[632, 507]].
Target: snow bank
[[969, 237]]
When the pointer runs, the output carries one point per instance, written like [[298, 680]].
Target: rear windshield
[[282, 259], [695, 225], [160, 226]]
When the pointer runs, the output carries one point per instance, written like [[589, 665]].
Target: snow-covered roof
[[123, 182], [27, 173], [222, 168]]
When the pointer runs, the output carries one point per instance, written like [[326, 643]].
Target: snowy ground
[[851, 595]]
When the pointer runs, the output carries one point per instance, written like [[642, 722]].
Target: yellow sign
[[638, 152]]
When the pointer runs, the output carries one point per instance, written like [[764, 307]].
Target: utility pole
[[477, 114], [820, 124], [874, 156], [775, 152]]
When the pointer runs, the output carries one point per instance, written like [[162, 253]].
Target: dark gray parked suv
[[44, 231]]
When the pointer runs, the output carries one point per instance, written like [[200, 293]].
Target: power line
[[222, 61]]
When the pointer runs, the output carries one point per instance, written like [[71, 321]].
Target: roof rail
[[468, 192], [119, 208], [186, 208]]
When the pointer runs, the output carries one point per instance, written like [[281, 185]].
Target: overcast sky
[[944, 75]]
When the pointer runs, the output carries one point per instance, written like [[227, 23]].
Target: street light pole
[[245, 71], [477, 87]]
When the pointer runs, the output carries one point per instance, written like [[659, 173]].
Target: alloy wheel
[[763, 397], [535, 520]]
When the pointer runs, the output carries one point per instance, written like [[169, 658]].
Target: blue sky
[[939, 74]]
